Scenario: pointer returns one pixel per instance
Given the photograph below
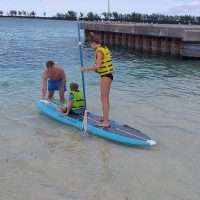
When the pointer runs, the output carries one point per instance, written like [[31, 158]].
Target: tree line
[[113, 16], [19, 13]]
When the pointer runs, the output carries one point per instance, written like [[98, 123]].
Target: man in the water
[[56, 80]]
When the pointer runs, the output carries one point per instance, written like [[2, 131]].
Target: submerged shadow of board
[[117, 132]]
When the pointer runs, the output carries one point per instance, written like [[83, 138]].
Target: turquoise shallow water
[[48, 160]]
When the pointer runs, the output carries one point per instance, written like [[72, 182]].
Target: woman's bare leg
[[105, 91]]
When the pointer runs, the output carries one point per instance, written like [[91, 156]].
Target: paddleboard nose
[[152, 142]]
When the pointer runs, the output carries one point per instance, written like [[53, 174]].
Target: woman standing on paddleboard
[[103, 66]]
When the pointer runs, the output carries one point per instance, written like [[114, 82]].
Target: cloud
[[77, 5], [191, 8]]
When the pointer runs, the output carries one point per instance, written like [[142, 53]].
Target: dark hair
[[94, 38], [74, 86], [49, 63]]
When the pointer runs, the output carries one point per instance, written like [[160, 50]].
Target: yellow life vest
[[78, 100], [106, 65]]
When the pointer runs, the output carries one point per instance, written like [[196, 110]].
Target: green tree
[[24, 13], [81, 14], [93, 16], [32, 13], [19, 13], [105, 14], [13, 12], [60, 16], [72, 14], [198, 20], [115, 16]]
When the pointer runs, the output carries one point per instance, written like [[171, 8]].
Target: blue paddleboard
[[116, 132]]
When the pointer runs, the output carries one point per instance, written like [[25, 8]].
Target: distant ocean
[[42, 159]]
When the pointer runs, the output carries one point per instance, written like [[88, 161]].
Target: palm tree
[[13, 12], [72, 14], [81, 14], [32, 14], [105, 14], [24, 12], [60, 16], [115, 15], [19, 13], [92, 16]]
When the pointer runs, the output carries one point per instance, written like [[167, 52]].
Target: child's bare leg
[[61, 109]]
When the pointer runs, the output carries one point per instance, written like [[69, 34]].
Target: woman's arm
[[98, 63]]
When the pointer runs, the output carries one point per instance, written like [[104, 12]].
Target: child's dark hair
[[74, 86], [94, 38], [49, 63]]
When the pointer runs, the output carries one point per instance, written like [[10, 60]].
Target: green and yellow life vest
[[106, 65], [78, 100]]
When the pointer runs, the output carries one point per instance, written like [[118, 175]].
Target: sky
[[51, 7]]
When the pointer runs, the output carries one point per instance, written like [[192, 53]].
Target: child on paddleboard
[[75, 104], [103, 66]]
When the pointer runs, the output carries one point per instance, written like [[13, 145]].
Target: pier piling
[[176, 40]]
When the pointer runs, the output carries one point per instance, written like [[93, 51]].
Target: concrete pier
[[175, 40]]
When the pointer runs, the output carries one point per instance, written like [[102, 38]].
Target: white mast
[[109, 10]]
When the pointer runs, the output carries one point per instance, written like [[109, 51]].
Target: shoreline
[[46, 18]]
